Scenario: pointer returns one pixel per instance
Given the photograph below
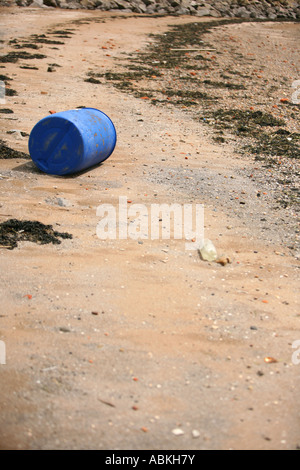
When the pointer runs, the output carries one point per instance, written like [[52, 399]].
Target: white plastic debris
[[177, 432], [207, 250]]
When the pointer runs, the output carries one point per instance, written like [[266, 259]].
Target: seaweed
[[189, 94], [10, 92], [232, 86], [13, 231], [62, 33], [26, 46], [13, 57], [4, 78], [246, 118], [92, 80], [5, 111], [276, 145], [8, 153], [49, 41], [28, 67], [180, 68]]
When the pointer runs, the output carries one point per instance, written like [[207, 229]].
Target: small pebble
[[177, 432]]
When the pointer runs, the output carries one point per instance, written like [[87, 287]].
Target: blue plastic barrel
[[72, 141]]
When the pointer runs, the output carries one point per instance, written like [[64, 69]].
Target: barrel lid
[[56, 145]]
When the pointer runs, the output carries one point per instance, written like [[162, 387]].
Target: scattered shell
[[177, 432], [270, 360], [223, 260]]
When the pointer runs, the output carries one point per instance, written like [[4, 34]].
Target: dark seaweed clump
[[13, 57], [5, 111], [10, 92], [4, 78], [28, 67], [245, 122], [44, 40], [277, 145], [260, 127], [232, 86], [92, 80], [8, 153], [65, 33], [13, 231], [26, 45]]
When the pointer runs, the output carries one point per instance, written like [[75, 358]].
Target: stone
[[89, 4], [242, 12], [150, 9], [63, 202], [37, 4], [203, 12], [138, 7], [223, 260], [214, 13], [122, 4], [148, 2], [271, 9], [70, 6], [177, 432], [105, 5], [51, 3], [182, 11]]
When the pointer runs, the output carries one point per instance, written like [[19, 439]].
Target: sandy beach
[[137, 343]]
